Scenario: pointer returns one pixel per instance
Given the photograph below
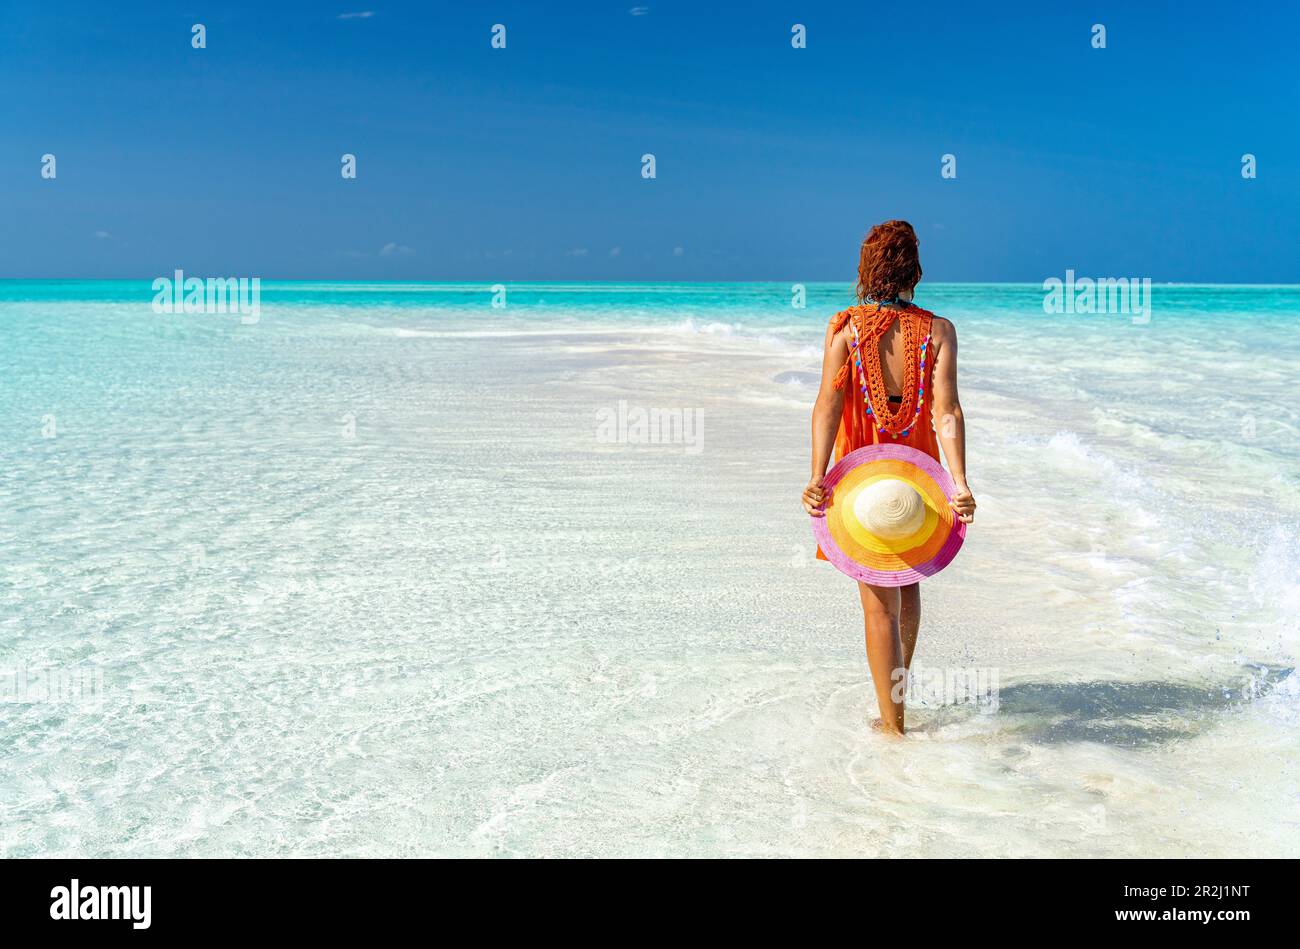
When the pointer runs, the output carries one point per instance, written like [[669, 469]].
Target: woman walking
[[889, 376]]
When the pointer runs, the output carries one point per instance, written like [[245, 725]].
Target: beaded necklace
[[888, 421]]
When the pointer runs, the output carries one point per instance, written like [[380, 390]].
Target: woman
[[911, 399]]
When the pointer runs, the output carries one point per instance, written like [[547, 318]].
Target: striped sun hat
[[887, 521]]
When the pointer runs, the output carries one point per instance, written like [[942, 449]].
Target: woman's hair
[[890, 263]]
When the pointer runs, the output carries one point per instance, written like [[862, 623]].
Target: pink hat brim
[[915, 572]]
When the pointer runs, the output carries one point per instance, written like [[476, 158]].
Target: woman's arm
[[825, 420], [948, 419]]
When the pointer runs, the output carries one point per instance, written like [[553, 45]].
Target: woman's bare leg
[[909, 620], [880, 611]]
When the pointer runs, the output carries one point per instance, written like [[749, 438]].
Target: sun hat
[[887, 521]]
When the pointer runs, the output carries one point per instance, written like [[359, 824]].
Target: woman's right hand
[[814, 496], [963, 503]]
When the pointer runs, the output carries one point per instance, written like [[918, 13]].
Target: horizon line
[[648, 283]]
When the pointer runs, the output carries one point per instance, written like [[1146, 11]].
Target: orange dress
[[869, 417]]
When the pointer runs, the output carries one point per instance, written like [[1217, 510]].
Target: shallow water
[[368, 577]]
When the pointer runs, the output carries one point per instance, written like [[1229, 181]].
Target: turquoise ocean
[[358, 578]]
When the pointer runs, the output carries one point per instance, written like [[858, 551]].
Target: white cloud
[[576, 252], [390, 250], [639, 11], [103, 235], [362, 15], [615, 251], [678, 251]]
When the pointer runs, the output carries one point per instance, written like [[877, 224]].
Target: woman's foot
[[878, 725]]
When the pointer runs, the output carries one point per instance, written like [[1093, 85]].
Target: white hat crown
[[890, 509]]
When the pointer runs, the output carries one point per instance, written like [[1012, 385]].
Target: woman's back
[[889, 400], [891, 349]]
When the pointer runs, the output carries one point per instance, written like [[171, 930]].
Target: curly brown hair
[[890, 263]]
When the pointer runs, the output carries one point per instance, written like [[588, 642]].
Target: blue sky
[[524, 163]]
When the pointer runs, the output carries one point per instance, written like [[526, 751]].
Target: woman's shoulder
[[942, 328], [841, 320]]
